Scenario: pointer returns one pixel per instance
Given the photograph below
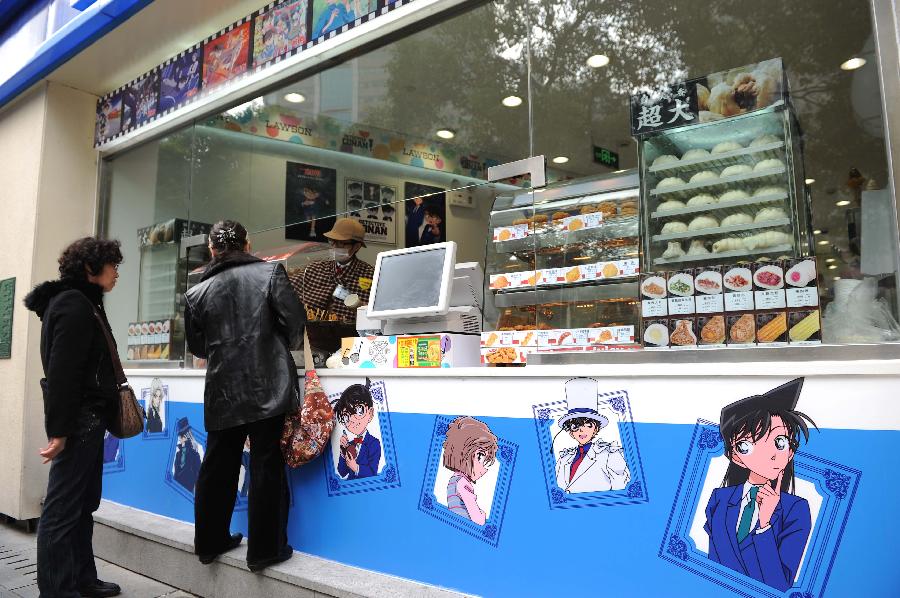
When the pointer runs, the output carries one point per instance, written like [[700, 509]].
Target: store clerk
[[324, 285]]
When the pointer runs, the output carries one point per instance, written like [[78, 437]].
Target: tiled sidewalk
[[18, 577]]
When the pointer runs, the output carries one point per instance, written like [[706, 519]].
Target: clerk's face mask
[[340, 254]]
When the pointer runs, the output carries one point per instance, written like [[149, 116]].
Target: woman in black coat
[[80, 399], [244, 318]]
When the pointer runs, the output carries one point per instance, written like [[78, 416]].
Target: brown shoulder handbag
[[130, 417]]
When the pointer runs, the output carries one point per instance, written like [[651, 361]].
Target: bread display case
[[165, 265], [562, 266]]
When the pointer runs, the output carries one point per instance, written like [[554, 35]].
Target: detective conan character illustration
[[593, 465], [156, 414], [186, 467], [110, 448], [434, 219], [470, 449], [756, 525], [361, 451]]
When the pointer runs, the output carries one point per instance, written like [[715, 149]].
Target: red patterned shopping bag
[[307, 431]]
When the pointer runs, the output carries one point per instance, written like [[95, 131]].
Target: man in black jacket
[[244, 319], [79, 401]]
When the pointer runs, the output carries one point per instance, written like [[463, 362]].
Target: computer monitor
[[413, 282]]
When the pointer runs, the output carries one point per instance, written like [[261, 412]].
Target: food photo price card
[[737, 283], [680, 287], [800, 279], [511, 233], [804, 327], [653, 296], [768, 282], [709, 298]]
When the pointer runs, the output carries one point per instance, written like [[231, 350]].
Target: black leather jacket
[[80, 386], [244, 318]]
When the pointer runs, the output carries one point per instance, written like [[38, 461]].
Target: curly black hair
[[228, 235], [88, 255]]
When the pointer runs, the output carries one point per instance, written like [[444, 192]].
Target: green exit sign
[[606, 157]]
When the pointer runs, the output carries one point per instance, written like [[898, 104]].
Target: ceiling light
[[832, 267], [823, 242], [810, 181], [560, 160], [842, 203], [295, 98], [598, 60], [446, 134], [830, 260], [512, 101], [853, 64], [837, 277], [818, 231]]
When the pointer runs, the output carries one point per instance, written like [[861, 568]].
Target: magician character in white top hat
[[594, 465]]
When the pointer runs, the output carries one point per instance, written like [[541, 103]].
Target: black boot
[[233, 542], [100, 589], [286, 553]]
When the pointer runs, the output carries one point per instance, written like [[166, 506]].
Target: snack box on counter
[[415, 352]]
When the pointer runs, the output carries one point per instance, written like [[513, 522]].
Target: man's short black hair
[[576, 422], [91, 253], [354, 396]]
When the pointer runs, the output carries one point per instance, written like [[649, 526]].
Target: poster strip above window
[[260, 40]]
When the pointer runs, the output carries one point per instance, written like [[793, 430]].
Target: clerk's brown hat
[[347, 229]]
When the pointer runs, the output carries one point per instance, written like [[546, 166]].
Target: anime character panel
[[589, 449], [467, 478], [279, 31], [185, 458], [180, 80], [113, 453], [331, 15], [227, 56], [751, 507], [139, 101], [361, 456], [156, 400]]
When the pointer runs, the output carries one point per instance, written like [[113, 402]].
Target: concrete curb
[[162, 548]]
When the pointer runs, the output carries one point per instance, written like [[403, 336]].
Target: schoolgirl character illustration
[[470, 449], [756, 525], [593, 465], [155, 414], [186, 468], [361, 453], [336, 14]]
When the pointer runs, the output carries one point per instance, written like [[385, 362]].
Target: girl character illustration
[[470, 449], [593, 465], [756, 525], [155, 415]]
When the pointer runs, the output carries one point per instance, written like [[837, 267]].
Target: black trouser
[[64, 552], [217, 488]]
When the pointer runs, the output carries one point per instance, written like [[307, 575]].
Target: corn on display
[[773, 329], [805, 328]]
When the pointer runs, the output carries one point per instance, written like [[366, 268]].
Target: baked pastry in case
[[769, 238], [770, 214], [704, 176], [733, 195], [737, 219], [671, 181], [665, 159], [701, 222], [589, 209], [736, 169], [670, 206], [769, 190], [697, 248], [770, 164], [673, 250], [607, 208], [765, 140], [727, 146], [674, 226], [728, 244], [628, 208], [695, 154], [701, 200]]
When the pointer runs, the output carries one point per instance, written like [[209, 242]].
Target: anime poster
[[226, 56], [370, 203], [426, 207], [156, 401], [589, 448], [113, 453], [331, 15], [139, 101], [109, 118], [467, 478], [279, 31], [362, 456], [753, 513], [310, 202], [185, 456], [180, 80]]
